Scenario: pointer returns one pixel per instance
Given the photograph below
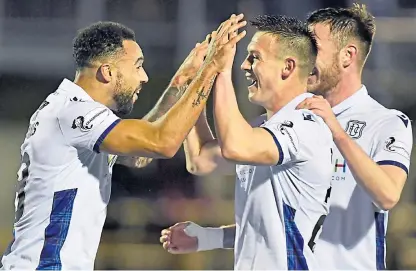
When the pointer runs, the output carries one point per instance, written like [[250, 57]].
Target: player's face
[[129, 78], [327, 67], [262, 68]]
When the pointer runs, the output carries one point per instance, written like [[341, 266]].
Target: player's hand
[[176, 241], [221, 50], [194, 60], [318, 105]]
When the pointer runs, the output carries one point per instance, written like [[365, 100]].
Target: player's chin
[[253, 98]]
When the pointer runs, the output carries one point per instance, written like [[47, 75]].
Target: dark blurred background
[[36, 54]]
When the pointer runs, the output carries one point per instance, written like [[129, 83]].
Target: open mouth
[[251, 81]]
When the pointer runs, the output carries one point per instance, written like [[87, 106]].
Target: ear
[[105, 73], [348, 55], [289, 67]]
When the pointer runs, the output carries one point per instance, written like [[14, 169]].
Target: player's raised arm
[[179, 83], [163, 137]]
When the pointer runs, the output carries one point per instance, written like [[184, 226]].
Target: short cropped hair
[[99, 40], [346, 24], [294, 37]]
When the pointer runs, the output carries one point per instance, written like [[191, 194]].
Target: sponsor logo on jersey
[[307, 116], [286, 128], [394, 146], [87, 122], [340, 168], [355, 128]]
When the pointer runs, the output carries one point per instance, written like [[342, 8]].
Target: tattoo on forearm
[[202, 95], [169, 98], [197, 101]]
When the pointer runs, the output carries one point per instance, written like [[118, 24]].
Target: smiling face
[[130, 76], [262, 68]]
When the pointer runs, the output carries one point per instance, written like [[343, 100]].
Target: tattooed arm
[[163, 137], [171, 95]]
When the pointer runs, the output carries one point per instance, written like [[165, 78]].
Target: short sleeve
[[299, 136], [394, 143], [85, 124]]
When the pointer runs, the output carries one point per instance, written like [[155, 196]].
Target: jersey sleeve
[[299, 136], [86, 124], [393, 144]]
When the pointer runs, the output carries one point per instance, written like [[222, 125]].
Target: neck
[[283, 98], [346, 87], [94, 89]]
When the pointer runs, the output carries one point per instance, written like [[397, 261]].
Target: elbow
[[168, 149], [195, 168], [389, 202], [230, 153], [166, 146]]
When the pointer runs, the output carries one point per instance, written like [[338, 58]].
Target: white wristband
[[208, 238]]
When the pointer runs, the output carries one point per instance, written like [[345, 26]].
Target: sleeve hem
[[279, 147], [100, 140], [393, 163]]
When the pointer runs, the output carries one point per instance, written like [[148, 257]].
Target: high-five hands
[[221, 49]]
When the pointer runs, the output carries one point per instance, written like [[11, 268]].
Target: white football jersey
[[64, 184], [353, 235], [280, 209]]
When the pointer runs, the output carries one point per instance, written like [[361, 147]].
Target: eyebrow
[[253, 52], [138, 60]]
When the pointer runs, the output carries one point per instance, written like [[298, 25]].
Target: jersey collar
[[76, 92], [350, 101], [292, 104]]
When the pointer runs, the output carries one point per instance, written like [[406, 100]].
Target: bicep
[[259, 147], [394, 145], [134, 138], [397, 174]]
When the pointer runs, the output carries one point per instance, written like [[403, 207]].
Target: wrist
[[338, 134], [210, 238]]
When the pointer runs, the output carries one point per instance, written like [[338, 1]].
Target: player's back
[[63, 188], [353, 235], [279, 209]]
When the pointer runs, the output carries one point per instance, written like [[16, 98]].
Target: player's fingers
[[166, 245], [237, 38], [301, 105], [164, 238], [165, 232], [234, 29], [239, 17], [224, 30]]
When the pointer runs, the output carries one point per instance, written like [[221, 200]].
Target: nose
[[245, 66], [143, 77]]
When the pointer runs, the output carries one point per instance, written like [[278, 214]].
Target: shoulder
[[82, 113], [304, 125]]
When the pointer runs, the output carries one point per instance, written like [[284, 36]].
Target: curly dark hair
[[99, 40], [295, 37], [345, 24]]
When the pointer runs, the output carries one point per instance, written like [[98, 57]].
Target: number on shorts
[[22, 175], [318, 224]]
